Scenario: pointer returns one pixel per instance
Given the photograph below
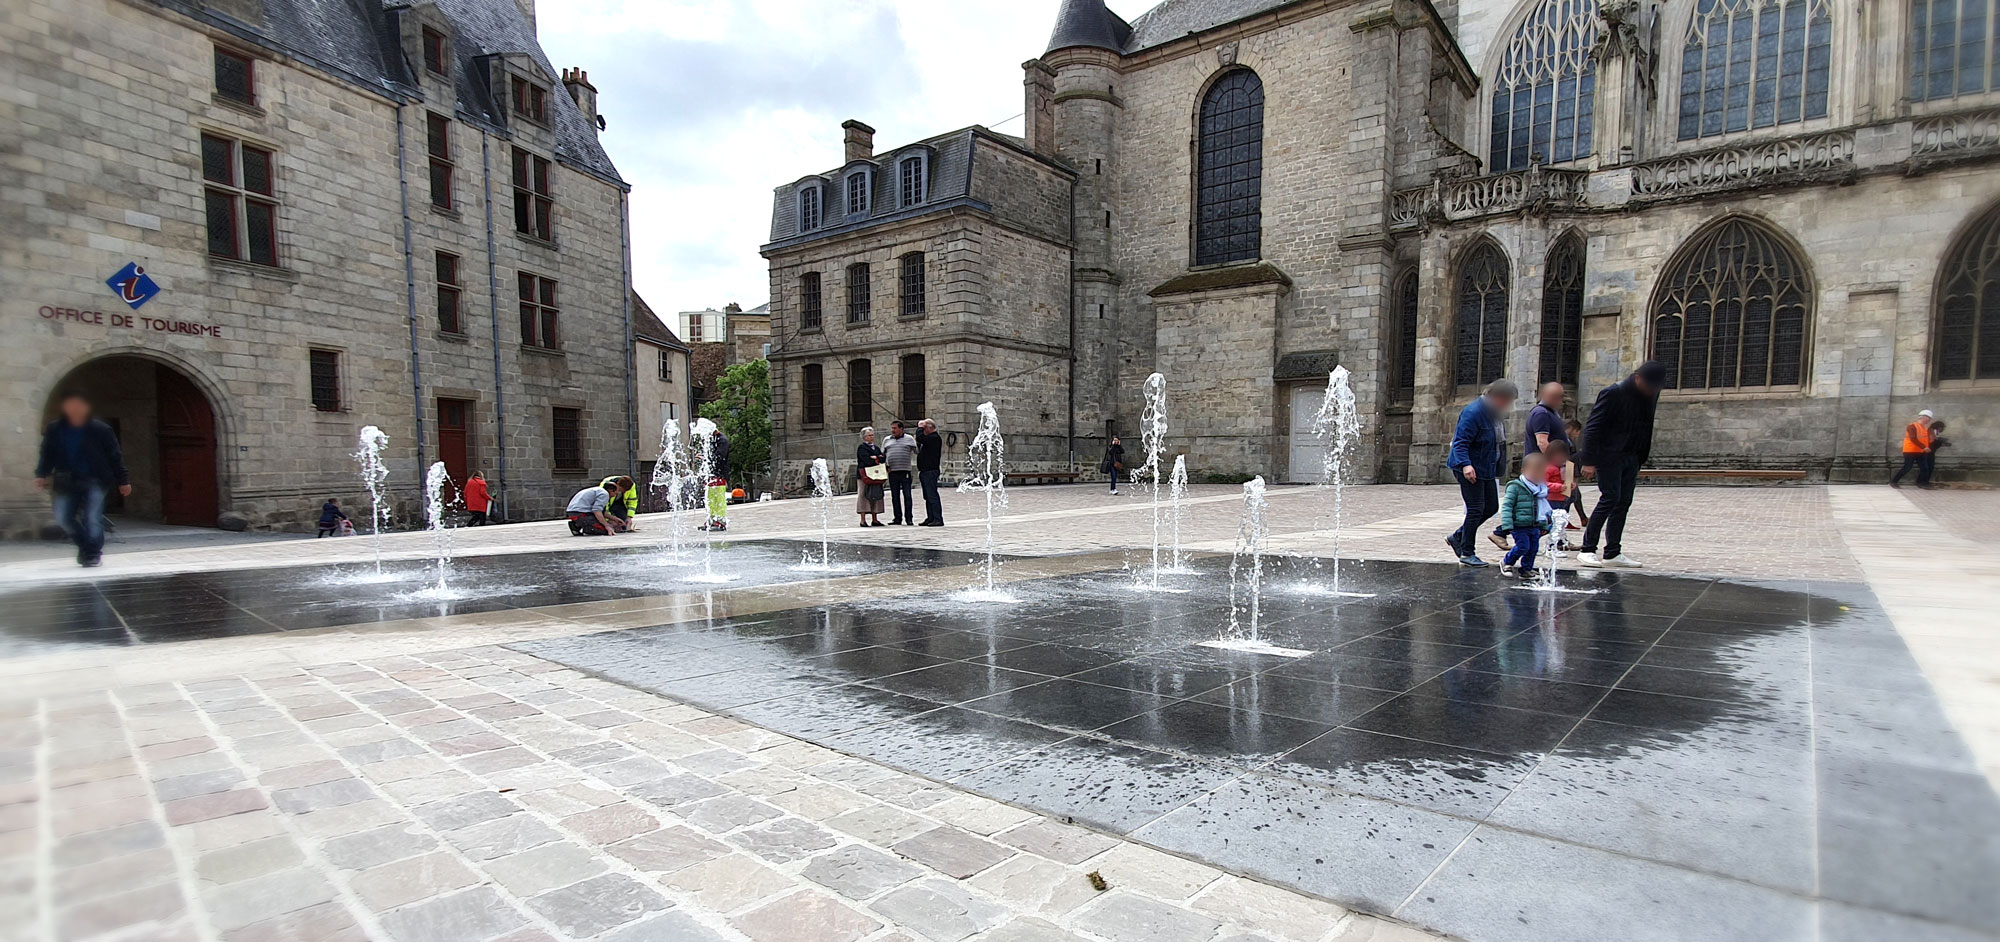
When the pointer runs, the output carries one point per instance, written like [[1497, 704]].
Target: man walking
[[900, 452], [930, 460], [1477, 459], [80, 464], [1919, 451], [1617, 441]]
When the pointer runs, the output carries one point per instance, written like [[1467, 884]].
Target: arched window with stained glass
[[1733, 311], [1229, 171], [1562, 313], [1954, 48], [1750, 64], [1406, 336], [1480, 353], [1968, 305], [1545, 94]]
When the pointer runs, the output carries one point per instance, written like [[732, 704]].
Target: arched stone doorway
[[168, 430]]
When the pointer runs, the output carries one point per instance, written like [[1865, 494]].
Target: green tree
[[742, 409]]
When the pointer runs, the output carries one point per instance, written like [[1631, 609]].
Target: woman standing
[[871, 477], [1114, 462], [477, 499]]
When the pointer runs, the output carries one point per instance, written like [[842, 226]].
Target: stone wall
[[112, 98]]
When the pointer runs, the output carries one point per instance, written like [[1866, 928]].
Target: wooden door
[[188, 491], [454, 417]]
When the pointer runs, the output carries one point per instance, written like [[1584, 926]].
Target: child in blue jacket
[[1525, 514]]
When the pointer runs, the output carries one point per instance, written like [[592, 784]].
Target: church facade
[[1791, 204]]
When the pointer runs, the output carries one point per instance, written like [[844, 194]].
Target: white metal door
[[1308, 451]]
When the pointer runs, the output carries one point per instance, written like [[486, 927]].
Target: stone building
[[354, 213], [1792, 203], [721, 339]]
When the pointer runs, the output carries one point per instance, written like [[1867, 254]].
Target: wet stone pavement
[[190, 606], [1668, 757]]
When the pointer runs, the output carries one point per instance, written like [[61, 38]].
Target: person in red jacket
[[477, 499]]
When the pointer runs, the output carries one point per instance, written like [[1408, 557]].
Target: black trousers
[[475, 518], [933, 504], [586, 525], [1924, 464], [1482, 501], [900, 501], [1616, 480]]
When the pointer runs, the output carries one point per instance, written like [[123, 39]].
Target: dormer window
[[809, 209], [531, 101], [235, 76], [857, 193], [915, 175], [434, 52]]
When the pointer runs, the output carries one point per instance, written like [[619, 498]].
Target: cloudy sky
[[711, 103]]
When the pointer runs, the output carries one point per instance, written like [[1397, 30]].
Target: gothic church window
[[1968, 334], [1754, 64], [1481, 348], [1544, 97], [1562, 313], [1406, 335], [1732, 311], [1954, 48], [1229, 182]]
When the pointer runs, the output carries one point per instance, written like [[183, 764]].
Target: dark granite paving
[[1672, 758], [181, 607]]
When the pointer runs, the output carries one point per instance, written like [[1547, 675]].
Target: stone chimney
[[528, 11], [732, 308], [577, 82], [860, 140], [1040, 106]]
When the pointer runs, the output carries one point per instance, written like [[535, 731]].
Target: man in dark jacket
[[1617, 441], [1477, 459], [930, 460], [80, 463]]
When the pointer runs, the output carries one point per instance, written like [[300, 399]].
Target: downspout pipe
[[1072, 322], [631, 355], [410, 282], [493, 300]]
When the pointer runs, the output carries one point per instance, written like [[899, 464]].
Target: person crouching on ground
[[478, 499], [1525, 514], [586, 511], [623, 509], [330, 516]]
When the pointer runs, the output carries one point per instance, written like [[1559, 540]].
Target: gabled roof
[[647, 326], [357, 40], [1089, 23]]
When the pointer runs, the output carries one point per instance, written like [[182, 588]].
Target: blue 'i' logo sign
[[133, 285]]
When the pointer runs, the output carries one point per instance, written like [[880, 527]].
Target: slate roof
[[951, 178], [357, 40], [647, 326], [1091, 23]]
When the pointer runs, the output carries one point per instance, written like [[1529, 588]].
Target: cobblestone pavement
[[486, 794]]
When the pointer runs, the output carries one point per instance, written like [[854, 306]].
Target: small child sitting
[[1525, 514], [331, 517]]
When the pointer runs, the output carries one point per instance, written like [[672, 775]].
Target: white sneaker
[[1624, 562], [1589, 561]]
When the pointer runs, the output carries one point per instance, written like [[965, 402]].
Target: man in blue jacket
[[1477, 460], [81, 463]]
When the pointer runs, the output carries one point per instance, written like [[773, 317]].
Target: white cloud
[[712, 103]]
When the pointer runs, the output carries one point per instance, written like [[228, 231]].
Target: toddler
[[1525, 514]]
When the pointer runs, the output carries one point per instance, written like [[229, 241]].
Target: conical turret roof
[[1089, 23]]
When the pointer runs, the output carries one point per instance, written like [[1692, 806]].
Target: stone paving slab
[[234, 809]]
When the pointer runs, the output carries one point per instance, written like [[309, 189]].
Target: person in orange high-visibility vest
[[1919, 451]]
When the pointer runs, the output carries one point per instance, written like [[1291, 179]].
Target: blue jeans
[[1527, 542], [80, 512]]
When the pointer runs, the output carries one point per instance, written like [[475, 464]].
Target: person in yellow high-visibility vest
[[718, 483], [624, 506]]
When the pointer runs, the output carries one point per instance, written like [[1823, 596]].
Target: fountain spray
[[1176, 497], [436, 485], [671, 472], [1246, 578], [822, 482], [703, 433], [1152, 434], [986, 472], [1338, 425], [374, 474]]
